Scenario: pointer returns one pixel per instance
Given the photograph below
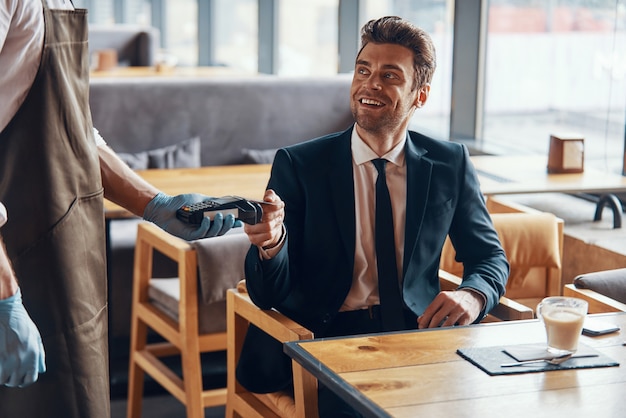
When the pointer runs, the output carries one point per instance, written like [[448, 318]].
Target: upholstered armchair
[[533, 243], [605, 291]]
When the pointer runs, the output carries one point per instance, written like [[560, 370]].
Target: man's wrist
[[479, 296], [8, 287], [269, 251]]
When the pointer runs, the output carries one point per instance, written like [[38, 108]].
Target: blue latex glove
[[22, 356], [162, 211]]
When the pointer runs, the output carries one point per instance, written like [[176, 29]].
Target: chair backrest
[[240, 313], [605, 291], [533, 243]]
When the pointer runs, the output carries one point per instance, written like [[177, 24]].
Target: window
[[112, 11], [180, 35], [307, 37], [556, 67], [551, 67], [236, 34]]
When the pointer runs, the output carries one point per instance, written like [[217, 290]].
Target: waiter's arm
[[122, 185], [8, 283]]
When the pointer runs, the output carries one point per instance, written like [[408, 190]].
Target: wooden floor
[[161, 406]]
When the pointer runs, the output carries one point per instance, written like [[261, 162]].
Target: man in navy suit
[[313, 255]]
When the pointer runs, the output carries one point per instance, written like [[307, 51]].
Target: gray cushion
[[258, 156], [611, 283], [136, 161], [165, 294], [185, 154]]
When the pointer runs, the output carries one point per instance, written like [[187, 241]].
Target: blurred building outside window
[[556, 67]]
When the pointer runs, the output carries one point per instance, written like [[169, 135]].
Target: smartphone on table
[[594, 327]]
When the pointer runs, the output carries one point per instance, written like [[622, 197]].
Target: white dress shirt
[[364, 290]]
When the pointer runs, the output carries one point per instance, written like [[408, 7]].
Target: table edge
[[332, 381]]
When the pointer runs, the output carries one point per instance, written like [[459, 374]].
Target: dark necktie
[[388, 287]]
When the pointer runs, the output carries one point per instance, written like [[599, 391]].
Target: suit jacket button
[[326, 318]]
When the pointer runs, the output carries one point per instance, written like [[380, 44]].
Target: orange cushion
[[529, 240]]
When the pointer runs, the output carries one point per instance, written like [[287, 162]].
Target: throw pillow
[[185, 154], [136, 161], [611, 283], [258, 156]]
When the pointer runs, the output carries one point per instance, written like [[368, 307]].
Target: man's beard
[[380, 124]]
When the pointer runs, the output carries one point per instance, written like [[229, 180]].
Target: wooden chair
[[241, 312], [179, 325], [544, 278], [605, 291], [533, 243]]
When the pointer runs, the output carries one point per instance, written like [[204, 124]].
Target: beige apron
[[50, 183]]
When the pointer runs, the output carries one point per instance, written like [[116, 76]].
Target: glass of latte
[[563, 318]]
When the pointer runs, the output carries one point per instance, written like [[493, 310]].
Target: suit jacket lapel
[[418, 177], [340, 178]]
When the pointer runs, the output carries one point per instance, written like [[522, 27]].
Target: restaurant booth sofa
[[170, 122]]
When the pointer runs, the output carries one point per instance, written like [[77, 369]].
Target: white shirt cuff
[[3, 214], [268, 253], [98, 137], [477, 293]]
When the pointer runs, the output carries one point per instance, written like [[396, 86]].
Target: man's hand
[[162, 211], [450, 308], [268, 233], [22, 356]]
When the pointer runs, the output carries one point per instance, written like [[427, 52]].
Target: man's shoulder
[[433, 147], [318, 153], [321, 143], [17, 14], [430, 141]]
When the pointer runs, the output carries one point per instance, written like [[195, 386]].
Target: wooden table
[[528, 174], [419, 374], [247, 181]]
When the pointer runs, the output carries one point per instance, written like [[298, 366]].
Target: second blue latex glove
[[22, 356], [162, 211]]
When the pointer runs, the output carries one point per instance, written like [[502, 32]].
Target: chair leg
[[139, 336], [135, 391], [610, 200], [192, 378]]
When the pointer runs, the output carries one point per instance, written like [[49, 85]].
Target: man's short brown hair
[[395, 30]]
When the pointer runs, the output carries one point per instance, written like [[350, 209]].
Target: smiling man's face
[[383, 92]]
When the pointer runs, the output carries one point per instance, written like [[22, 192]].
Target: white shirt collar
[[362, 153]]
